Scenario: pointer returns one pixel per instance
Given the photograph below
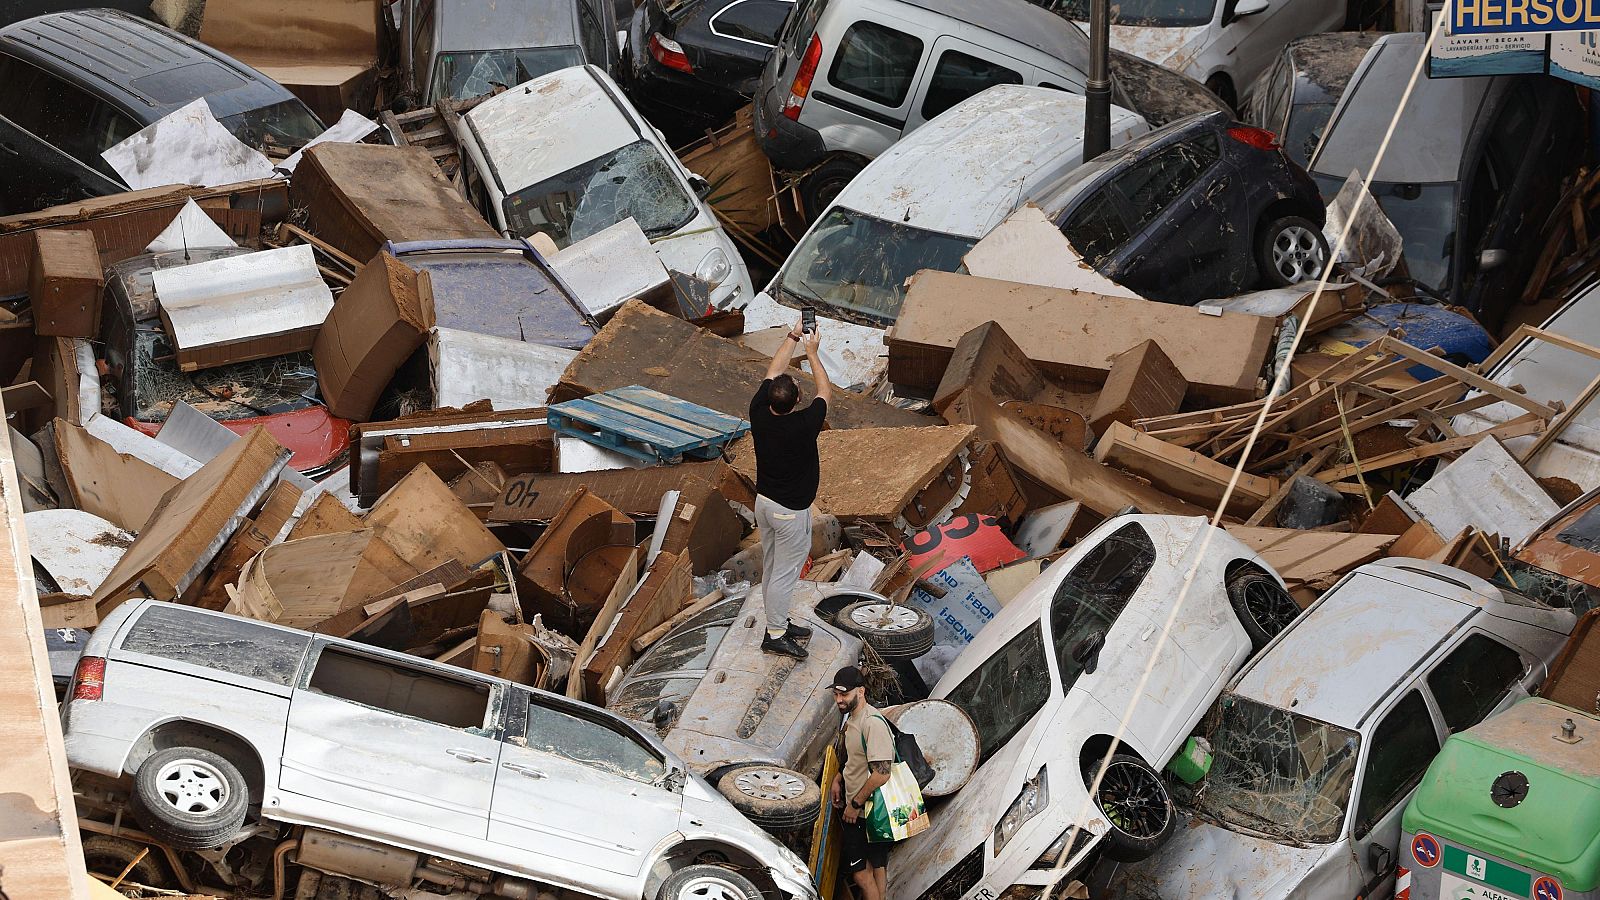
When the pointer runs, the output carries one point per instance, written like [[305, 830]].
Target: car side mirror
[[1246, 8], [1380, 859], [1489, 260], [701, 186], [1086, 652], [663, 714]]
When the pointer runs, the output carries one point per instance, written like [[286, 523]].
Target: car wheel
[[1291, 250], [707, 883], [1134, 799], [894, 631], [189, 798], [1264, 608], [1222, 86], [111, 856], [822, 184], [772, 797]]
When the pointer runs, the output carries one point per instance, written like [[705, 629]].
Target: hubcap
[[884, 617], [769, 784], [1297, 254], [710, 887], [1135, 804], [1271, 608], [191, 786]]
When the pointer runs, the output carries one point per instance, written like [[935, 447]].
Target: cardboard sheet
[[241, 308], [872, 473], [427, 526], [380, 320]]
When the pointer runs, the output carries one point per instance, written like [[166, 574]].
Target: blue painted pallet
[[646, 425]]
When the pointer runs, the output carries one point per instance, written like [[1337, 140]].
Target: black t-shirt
[[787, 468]]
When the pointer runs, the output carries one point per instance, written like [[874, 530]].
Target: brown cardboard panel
[[67, 611], [987, 359], [343, 31], [621, 590], [667, 586], [359, 195], [647, 347], [1142, 382], [515, 450], [508, 651], [196, 517], [328, 89], [122, 489], [1073, 334], [872, 473], [557, 578], [376, 324], [1311, 561], [427, 526], [27, 395], [995, 490], [64, 284], [301, 583], [637, 492], [325, 515], [704, 526], [1181, 472]]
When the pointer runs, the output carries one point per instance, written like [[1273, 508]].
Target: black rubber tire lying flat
[[707, 883], [772, 797], [894, 631], [190, 799]]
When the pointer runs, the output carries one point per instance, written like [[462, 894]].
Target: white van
[[566, 155], [850, 77], [922, 205]]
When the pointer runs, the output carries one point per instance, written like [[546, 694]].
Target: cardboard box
[[357, 196], [64, 284], [1074, 335], [637, 492], [325, 52], [378, 322], [565, 576], [241, 308], [1143, 382]]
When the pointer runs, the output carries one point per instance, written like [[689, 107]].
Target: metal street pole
[[1097, 112]]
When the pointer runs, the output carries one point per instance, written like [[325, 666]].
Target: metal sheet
[[200, 437], [257, 295], [611, 267], [948, 740], [78, 549], [188, 146], [1487, 489], [468, 367]]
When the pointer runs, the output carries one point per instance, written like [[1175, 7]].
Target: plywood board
[[118, 487], [667, 586], [1311, 561], [872, 473], [537, 497], [427, 526], [1487, 489], [1181, 472]]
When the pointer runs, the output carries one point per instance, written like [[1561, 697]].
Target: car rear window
[[876, 62], [959, 76], [227, 644]]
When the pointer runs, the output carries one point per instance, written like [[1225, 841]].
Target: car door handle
[[529, 771], [466, 755]]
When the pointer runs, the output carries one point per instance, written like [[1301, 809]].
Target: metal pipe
[[278, 874], [1097, 93]]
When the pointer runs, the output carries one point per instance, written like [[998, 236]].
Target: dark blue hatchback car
[[1203, 208]]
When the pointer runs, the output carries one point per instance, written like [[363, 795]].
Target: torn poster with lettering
[[966, 607]]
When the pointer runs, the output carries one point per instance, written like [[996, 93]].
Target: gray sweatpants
[[785, 544]]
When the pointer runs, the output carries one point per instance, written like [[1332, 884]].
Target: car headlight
[[1061, 852], [715, 268], [1033, 798]]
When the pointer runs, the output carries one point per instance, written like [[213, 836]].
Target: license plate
[[1452, 887]]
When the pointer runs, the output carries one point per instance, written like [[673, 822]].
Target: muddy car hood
[[1206, 860], [1173, 48]]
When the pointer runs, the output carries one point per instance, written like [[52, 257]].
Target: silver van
[[850, 77], [459, 49], [400, 770]]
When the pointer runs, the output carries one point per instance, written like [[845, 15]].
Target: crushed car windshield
[[1008, 690], [1150, 13], [633, 180], [236, 391], [858, 265], [288, 125], [1277, 773], [468, 74]]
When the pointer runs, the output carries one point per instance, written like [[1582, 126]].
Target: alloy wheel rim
[[1272, 609], [769, 784], [191, 786], [1135, 803], [885, 617], [1296, 254], [711, 887]]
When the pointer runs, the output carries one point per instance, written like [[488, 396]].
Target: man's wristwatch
[[855, 805]]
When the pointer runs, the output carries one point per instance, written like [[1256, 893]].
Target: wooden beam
[[1468, 378], [1519, 427]]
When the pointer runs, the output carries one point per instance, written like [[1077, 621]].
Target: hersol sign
[[1518, 16]]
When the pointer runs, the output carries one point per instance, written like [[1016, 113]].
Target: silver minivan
[[850, 77], [459, 49], [400, 770]]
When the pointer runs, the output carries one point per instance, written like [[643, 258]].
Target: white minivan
[[922, 205], [566, 155], [850, 77]]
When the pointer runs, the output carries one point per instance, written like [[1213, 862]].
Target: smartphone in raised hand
[[808, 320]]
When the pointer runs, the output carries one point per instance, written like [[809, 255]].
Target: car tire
[[1222, 86], [893, 630], [707, 882], [1134, 799], [109, 856], [823, 183], [190, 799], [772, 797], [1264, 608], [1290, 250]]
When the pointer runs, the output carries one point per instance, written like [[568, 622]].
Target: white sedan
[[1226, 44], [1047, 682]]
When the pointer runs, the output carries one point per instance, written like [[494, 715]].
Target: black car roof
[[142, 67]]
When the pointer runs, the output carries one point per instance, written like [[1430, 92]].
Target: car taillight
[[89, 680], [669, 53], [802, 79], [1259, 138]]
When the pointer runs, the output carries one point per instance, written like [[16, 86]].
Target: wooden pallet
[[433, 129], [646, 425]]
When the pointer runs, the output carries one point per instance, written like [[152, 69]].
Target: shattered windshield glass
[[287, 125], [1277, 773], [633, 180], [1153, 13], [462, 76], [1008, 690], [237, 391], [858, 265]]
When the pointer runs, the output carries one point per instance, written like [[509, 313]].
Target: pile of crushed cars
[[389, 490]]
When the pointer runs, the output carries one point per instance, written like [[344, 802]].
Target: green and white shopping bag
[[895, 810]]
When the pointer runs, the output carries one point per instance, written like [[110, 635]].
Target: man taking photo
[[787, 473], [866, 757]]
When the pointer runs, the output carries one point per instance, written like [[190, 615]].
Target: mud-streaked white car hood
[[1206, 860], [1173, 48]]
